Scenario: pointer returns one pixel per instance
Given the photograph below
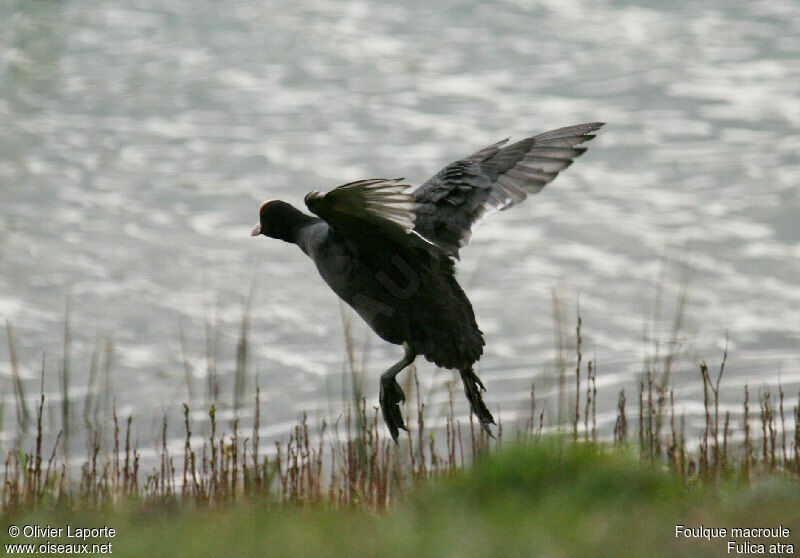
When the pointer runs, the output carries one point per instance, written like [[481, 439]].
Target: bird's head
[[277, 219]]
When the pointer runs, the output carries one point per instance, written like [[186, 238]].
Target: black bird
[[389, 253]]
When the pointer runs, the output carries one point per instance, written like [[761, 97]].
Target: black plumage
[[389, 253]]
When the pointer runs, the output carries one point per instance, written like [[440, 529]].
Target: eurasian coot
[[389, 253]]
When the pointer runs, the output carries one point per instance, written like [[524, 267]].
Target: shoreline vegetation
[[342, 477]]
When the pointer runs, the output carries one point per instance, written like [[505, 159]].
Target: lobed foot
[[391, 395], [473, 387]]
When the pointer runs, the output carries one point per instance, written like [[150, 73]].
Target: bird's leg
[[392, 395], [473, 387]]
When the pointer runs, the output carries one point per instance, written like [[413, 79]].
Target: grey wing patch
[[525, 167], [493, 179], [356, 206]]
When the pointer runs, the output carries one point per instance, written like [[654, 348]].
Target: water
[[137, 140]]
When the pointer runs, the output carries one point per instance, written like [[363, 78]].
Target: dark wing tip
[[571, 131], [590, 126]]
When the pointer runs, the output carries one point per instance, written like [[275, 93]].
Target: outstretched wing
[[451, 203], [367, 207]]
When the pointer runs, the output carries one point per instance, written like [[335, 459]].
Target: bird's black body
[[405, 291], [390, 254]]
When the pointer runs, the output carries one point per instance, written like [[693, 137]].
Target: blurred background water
[[138, 139]]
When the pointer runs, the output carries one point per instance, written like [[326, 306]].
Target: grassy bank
[[551, 498], [347, 490]]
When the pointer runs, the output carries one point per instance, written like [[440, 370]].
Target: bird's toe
[[472, 389], [391, 395]]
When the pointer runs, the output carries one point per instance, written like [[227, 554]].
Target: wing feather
[[452, 203], [375, 205]]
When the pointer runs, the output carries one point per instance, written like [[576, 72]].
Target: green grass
[[551, 498]]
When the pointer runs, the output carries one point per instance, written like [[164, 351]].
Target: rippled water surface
[[137, 140]]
